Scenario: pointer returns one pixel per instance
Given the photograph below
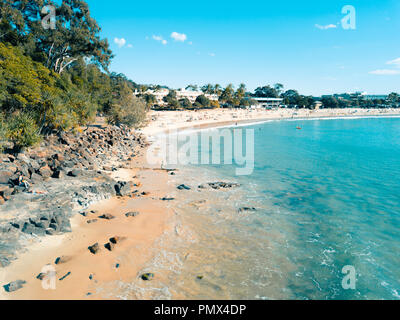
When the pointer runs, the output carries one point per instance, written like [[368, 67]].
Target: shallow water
[[327, 196]]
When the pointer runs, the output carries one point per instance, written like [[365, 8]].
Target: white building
[[180, 94], [269, 102], [192, 95]]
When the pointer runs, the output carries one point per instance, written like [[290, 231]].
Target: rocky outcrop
[[41, 188]]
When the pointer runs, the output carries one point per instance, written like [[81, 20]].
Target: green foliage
[[22, 130], [185, 103], [203, 101], [128, 110], [171, 100]]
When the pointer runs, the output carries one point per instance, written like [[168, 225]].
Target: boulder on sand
[[94, 248], [14, 286]]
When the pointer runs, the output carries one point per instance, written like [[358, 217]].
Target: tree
[[278, 88], [394, 98], [185, 103], [217, 89], [193, 87], [330, 102], [266, 92], [76, 34], [290, 97], [227, 94], [203, 101], [208, 88], [150, 99], [241, 91], [171, 100], [128, 110]]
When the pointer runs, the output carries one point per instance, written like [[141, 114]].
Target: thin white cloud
[[160, 39], [130, 46], [385, 72], [120, 42], [211, 54], [181, 37], [329, 26], [395, 62]]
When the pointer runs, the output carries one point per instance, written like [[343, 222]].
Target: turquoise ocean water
[[327, 196]]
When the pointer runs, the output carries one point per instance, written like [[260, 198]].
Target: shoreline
[[100, 276], [164, 121]]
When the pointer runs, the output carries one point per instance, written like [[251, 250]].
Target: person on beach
[[23, 183]]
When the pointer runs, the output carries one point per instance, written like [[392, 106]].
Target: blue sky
[[300, 44]]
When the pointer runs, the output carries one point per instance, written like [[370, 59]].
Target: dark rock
[[59, 174], [183, 187], [107, 216], [132, 214], [91, 221], [94, 248], [147, 276], [50, 232], [167, 199], [14, 286], [219, 185], [65, 276], [53, 226], [75, 173], [117, 239], [109, 246], [62, 259], [123, 188], [4, 262], [246, 209]]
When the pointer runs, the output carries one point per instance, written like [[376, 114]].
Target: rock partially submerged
[[219, 185], [247, 209]]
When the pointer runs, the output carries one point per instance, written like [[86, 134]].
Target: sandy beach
[[160, 121], [97, 276], [84, 273]]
